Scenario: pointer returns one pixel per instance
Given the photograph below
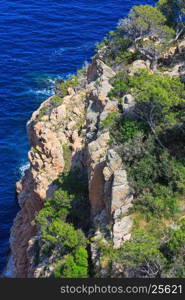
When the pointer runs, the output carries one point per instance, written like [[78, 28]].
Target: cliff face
[[48, 138], [70, 135]]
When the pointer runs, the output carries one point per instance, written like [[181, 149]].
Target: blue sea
[[40, 42]]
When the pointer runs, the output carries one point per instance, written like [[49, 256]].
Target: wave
[[23, 168], [84, 47]]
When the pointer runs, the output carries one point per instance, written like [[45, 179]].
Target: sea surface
[[40, 41]]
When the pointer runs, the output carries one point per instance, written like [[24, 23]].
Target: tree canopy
[[146, 27]]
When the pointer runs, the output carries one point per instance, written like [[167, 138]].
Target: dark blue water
[[40, 41]]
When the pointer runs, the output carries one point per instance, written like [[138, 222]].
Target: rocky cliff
[[69, 135]]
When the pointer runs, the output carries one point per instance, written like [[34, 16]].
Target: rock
[[121, 231], [109, 192], [46, 164], [77, 111], [97, 69], [111, 199], [71, 91], [71, 125], [177, 70], [138, 65], [98, 75], [128, 105], [110, 107]]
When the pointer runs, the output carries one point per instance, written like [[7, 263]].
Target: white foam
[[23, 168], [45, 92]]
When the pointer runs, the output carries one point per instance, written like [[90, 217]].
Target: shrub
[[143, 254], [157, 96], [43, 111], [109, 120], [67, 154], [60, 203], [63, 236], [143, 173], [119, 82], [56, 101], [75, 182], [177, 238], [160, 202], [64, 85], [127, 57], [73, 266], [130, 128], [56, 207]]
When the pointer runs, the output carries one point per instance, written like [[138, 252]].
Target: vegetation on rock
[[150, 141]]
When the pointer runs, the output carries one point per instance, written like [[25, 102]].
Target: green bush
[[157, 97], [143, 173], [64, 85], [120, 85], [156, 177], [45, 110], [160, 202], [177, 238], [142, 252], [56, 101], [68, 204], [67, 154], [64, 236], [75, 182], [130, 128], [56, 207], [73, 266], [109, 120], [127, 57]]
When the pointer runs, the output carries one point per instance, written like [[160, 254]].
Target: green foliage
[[144, 16], [103, 43], [75, 182], [160, 202], [151, 87], [119, 82], [47, 249], [73, 266], [109, 120], [174, 250], [127, 57], [157, 96], [142, 249], [64, 85], [56, 101], [64, 236], [177, 238], [60, 203], [157, 88], [146, 27], [60, 238], [43, 111], [122, 130], [67, 154], [174, 10], [157, 179], [144, 172], [129, 129], [56, 207]]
